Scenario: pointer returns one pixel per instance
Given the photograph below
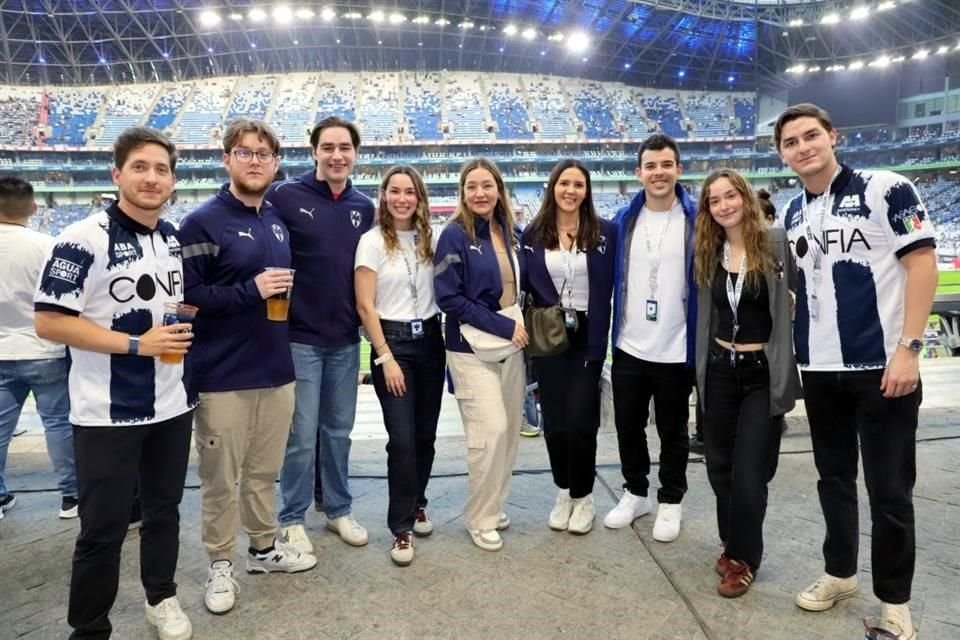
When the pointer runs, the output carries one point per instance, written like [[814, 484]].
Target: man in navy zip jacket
[[241, 359], [326, 217], [654, 327]]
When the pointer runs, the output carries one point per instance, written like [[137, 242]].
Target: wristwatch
[[133, 346], [913, 344]]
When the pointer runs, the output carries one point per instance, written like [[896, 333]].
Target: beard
[[252, 188]]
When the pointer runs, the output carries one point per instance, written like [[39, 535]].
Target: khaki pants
[[241, 436], [490, 395]]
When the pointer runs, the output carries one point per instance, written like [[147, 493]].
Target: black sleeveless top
[[753, 314]]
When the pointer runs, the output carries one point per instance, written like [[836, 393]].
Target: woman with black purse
[[568, 278]]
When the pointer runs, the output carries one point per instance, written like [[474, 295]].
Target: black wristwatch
[[133, 346], [914, 345]]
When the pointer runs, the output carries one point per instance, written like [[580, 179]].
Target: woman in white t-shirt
[[393, 278]]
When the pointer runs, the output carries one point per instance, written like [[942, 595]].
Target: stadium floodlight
[[920, 55], [353, 15], [376, 16], [421, 20], [305, 14], [813, 68], [943, 49], [466, 24], [510, 30], [796, 22], [257, 15], [529, 33], [442, 22], [328, 14], [881, 62], [830, 18], [282, 14], [899, 58], [578, 42], [626, 65], [209, 18], [557, 37], [397, 18], [797, 68], [236, 16], [855, 65], [859, 13], [883, 6]]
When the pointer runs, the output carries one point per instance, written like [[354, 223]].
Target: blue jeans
[[47, 379], [324, 407]]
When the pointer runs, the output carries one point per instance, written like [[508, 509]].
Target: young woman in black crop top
[[743, 350]]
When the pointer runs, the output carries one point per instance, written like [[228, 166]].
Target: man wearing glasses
[[236, 255]]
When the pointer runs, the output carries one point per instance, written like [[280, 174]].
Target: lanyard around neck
[[734, 293]]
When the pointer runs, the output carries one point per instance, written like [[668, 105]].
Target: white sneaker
[[422, 525], [581, 520], [627, 510], [402, 550], [170, 620], [486, 539], [896, 617], [284, 558], [667, 526], [503, 523], [296, 535], [220, 595], [825, 592], [562, 508], [348, 529]]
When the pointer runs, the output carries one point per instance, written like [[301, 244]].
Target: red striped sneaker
[[737, 580]]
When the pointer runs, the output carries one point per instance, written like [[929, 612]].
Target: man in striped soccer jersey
[[866, 254]]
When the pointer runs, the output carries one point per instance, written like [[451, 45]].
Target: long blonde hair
[[466, 218], [421, 216], [709, 237]]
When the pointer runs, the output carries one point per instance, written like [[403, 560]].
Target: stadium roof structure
[[692, 44]]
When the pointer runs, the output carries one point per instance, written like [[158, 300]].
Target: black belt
[[404, 330], [719, 351]]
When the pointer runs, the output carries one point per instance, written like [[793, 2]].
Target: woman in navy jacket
[[569, 260], [476, 274]]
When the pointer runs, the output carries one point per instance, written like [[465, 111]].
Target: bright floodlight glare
[[236, 16], [883, 6], [442, 22], [529, 33], [397, 18], [898, 59], [510, 30], [814, 68], [328, 14], [209, 18], [859, 13], [921, 54], [797, 68], [305, 14], [257, 15], [466, 24], [282, 14], [421, 20], [796, 22], [881, 62], [830, 18], [376, 16], [943, 49], [353, 15], [578, 42], [856, 64]]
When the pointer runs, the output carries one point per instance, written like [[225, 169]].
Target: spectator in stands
[[654, 316], [477, 273], [745, 364], [393, 278], [861, 310], [29, 364], [102, 293], [570, 262], [236, 256], [326, 216]]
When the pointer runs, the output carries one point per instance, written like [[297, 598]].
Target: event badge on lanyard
[[733, 295], [825, 204], [416, 326], [652, 306]]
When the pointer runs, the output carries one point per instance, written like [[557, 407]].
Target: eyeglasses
[[245, 155]]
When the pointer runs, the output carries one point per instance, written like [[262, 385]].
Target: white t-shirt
[[118, 275], [568, 270], [22, 254], [394, 297], [856, 319], [662, 340]]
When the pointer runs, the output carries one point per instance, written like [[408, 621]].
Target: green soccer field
[[949, 282]]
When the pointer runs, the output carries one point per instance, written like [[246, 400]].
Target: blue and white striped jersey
[[849, 312], [117, 273]]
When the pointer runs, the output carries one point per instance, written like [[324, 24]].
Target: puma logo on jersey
[[246, 234], [476, 247], [527, 247], [307, 212]]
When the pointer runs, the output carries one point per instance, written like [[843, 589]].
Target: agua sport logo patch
[[63, 269], [66, 271]]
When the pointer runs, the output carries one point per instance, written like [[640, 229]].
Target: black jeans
[[635, 381], [112, 464], [411, 420], [570, 406], [742, 446], [842, 407]]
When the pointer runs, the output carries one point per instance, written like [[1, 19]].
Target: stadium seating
[[379, 106], [463, 101], [665, 111], [125, 107], [19, 112], [592, 109], [168, 105], [421, 106], [199, 121], [251, 98], [625, 104], [293, 107], [548, 108], [709, 114], [745, 112], [508, 108], [72, 111], [337, 95]]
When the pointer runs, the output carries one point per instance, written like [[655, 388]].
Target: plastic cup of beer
[[176, 313], [278, 305]]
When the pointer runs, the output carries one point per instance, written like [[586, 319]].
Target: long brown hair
[[544, 225], [709, 237], [466, 218], [421, 216]]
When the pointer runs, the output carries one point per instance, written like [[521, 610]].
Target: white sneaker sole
[[352, 542], [308, 563], [218, 611], [823, 605]]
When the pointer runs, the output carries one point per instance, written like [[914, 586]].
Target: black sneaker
[[696, 445], [69, 508], [7, 502]]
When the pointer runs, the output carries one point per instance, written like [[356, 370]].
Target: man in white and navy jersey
[[102, 293], [867, 276]]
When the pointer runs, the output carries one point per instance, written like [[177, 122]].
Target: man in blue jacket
[[654, 320], [326, 217], [240, 361]]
